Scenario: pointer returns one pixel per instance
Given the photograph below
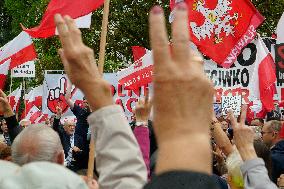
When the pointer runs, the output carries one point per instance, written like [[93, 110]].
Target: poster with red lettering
[[54, 90], [225, 26]]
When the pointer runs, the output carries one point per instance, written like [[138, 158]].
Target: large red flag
[[74, 8], [221, 28]]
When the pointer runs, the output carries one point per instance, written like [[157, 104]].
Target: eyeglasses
[[263, 132]]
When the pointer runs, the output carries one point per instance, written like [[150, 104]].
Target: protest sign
[[233, 103], [55, 86], [24, 70]]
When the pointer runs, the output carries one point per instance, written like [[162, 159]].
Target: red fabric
[[138, 52], [74, 8], [267, 78], [2, 81], [250, 113], [230, 46]]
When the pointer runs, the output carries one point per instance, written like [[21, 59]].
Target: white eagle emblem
[[219, 23]]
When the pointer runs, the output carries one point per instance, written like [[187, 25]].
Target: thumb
[[62, 57]]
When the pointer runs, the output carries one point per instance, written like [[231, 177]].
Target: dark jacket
[[78, 162], [182, 180], [81, 132], [13, 127], [277, 158]]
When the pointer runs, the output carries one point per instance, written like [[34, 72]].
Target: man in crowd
[[4, 128], [81, 139], [67, 137], [271, 137], [257, 122]]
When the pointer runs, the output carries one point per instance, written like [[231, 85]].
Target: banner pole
[[24, 88], [11, 83], [103, 37], [90, 172]]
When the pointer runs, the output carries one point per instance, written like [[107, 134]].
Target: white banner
[[55, 88], [24, 70]]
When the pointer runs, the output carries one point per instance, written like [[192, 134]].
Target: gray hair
[[36, 143], [275, 125]]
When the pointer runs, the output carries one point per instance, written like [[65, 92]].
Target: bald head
[[37, 143]]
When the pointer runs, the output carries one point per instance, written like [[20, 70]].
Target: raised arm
[[12, 123], [254, 171], [220, 137], [118, 158], [141, 130]]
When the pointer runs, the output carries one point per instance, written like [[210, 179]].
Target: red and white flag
[[14, 99], [138, 74], [263, 79], [224, 26], [33, 98], [138, 52], [74, 9], [4, 68], [19, 50], [33, 114]]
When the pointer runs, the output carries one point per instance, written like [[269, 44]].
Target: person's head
[[271, 132], [257, 122], [225, 125], [263, 152], [5, 153], [4, 127], [86, 104], [37, 143], [25, 122], [69, 127], [51, 119]]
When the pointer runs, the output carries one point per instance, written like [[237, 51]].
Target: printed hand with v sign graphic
[[56, 96]]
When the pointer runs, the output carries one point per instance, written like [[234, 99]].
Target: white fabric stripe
[[18, 43]]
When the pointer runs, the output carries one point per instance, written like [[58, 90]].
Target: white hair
[[36, 143]]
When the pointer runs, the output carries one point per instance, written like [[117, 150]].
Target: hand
[[76, 149], [243, 135], [92, 184], [143, 109], [56, 97], [5, 106], [280, 181], [183, 97], [58, 111], [80, 66]]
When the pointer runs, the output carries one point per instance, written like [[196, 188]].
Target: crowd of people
[[184, 146]]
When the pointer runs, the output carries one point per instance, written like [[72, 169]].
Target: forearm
[[70, 102], [255, 175], [13, 127], [117, 151], [222, 140]]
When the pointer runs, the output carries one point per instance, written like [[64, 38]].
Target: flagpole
[[103, 37], [11, 83], [24, 86], [90, 172]]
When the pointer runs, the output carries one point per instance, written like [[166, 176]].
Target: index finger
[[64, 34], [233, 119], [146, 96], [243, 115], [159, 38]]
